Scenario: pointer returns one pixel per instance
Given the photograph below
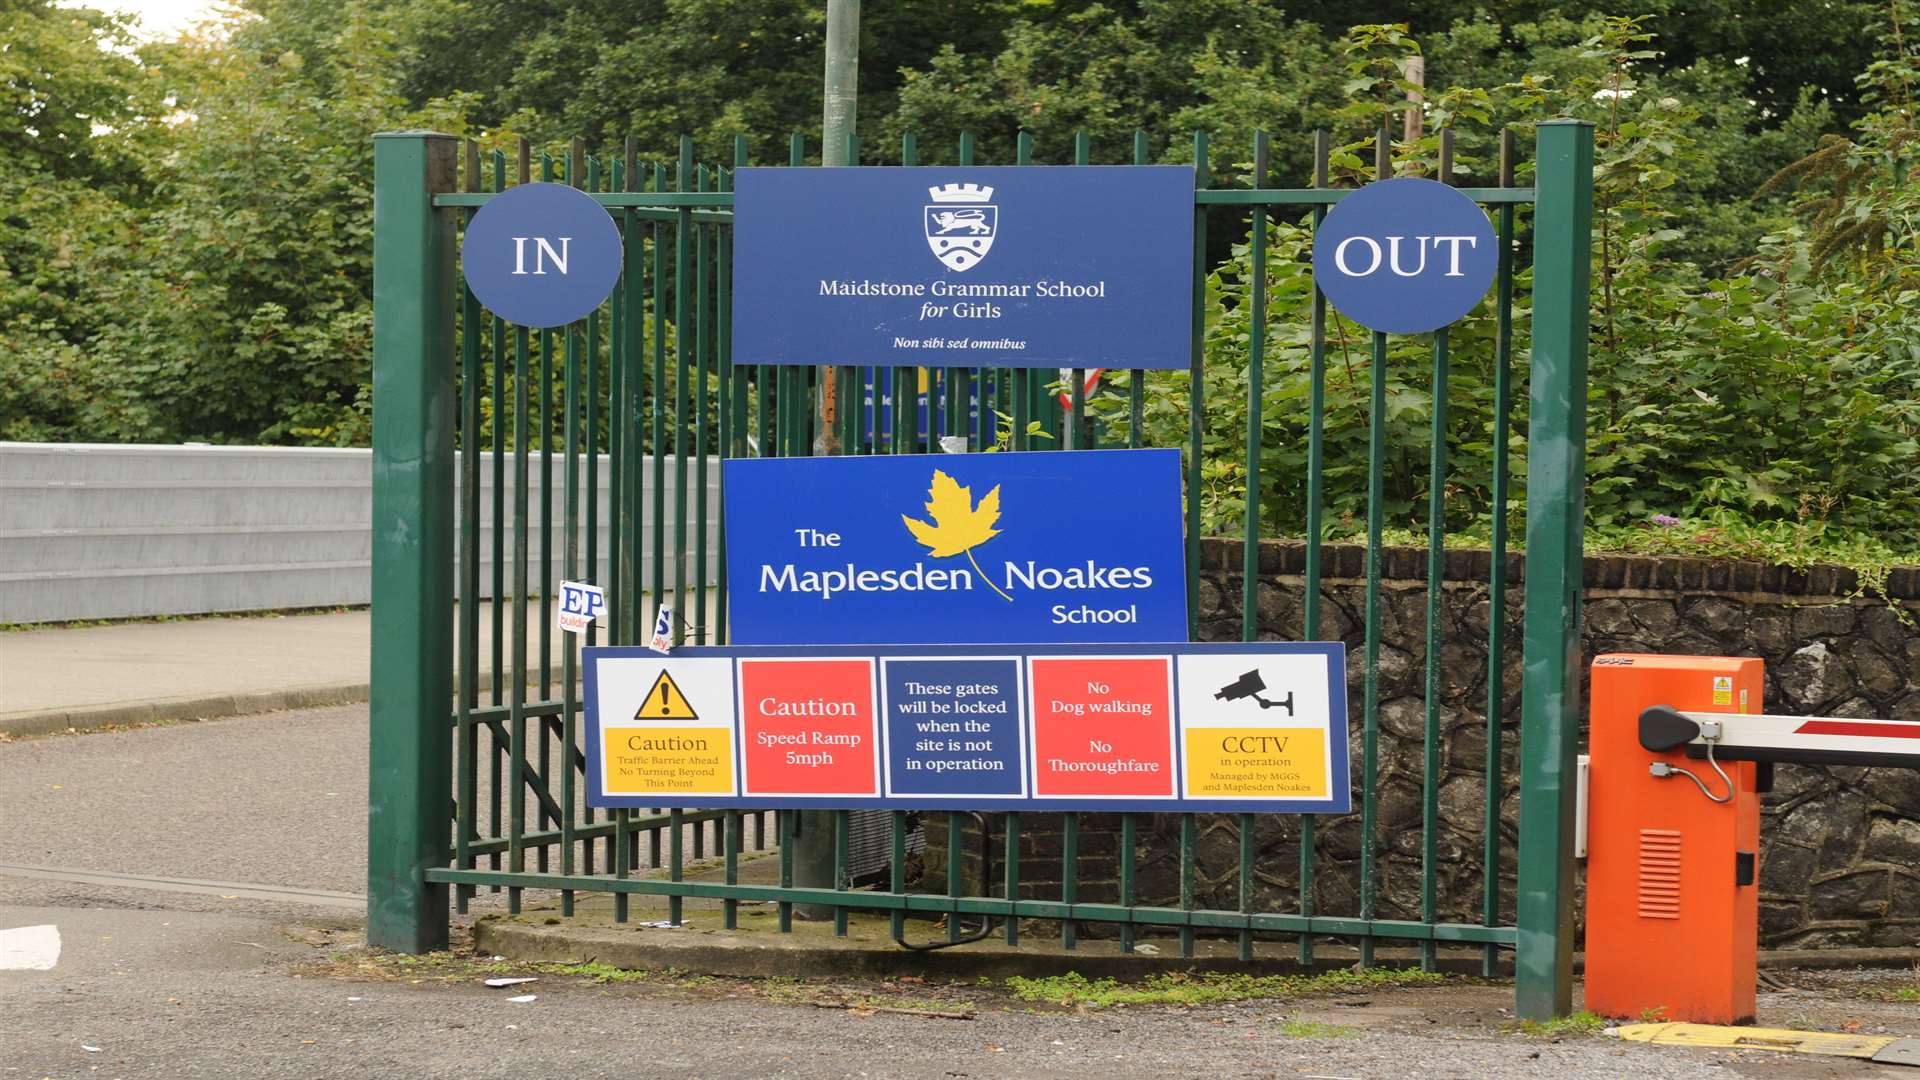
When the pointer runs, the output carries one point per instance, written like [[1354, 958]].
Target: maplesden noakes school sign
[[990, 266], [1069, 545]]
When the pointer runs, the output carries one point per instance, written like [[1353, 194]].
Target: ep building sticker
[[1058, 546], [580, 606], [1405, 256], [541, 254], [1723, 689]]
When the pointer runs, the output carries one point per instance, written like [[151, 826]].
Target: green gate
[[487, 794]]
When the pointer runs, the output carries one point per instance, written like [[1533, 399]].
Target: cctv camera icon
[[1249, 686]]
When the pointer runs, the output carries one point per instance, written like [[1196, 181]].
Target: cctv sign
[[1405, 256]]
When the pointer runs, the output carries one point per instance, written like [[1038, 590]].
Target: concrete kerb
[[175, 710], [178, 710], [134, 673], [538, 936], [756, 948], [811, 951]]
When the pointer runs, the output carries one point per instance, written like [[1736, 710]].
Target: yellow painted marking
[[665, 702], [1785, 1040]]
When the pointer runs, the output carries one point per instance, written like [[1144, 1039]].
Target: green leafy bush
[[1779, 396]]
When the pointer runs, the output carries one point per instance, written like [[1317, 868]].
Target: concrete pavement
[[137, 672], [88, 677], [280, 798]]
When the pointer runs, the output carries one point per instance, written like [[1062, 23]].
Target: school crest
[[961, 224]]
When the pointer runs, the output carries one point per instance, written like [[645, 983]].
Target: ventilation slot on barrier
[[1659, 874]]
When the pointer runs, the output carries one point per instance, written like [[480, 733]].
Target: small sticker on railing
[[580, 606]]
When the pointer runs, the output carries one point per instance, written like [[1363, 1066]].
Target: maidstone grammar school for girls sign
[[991, 266]]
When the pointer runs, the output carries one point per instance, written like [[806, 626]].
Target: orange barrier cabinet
[[1672, 873]]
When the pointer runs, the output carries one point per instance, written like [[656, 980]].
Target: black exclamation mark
[[666, 701]]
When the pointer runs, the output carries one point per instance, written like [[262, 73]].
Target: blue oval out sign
[[541, 254], [1405, 256]]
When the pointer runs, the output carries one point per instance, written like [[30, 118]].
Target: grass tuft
[[1315, 1029], [1208, 989], [1580, 1023]]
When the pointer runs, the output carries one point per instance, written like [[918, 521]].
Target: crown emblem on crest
[[961, 193]]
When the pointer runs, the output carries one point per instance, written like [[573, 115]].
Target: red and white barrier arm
[[1832, 740]]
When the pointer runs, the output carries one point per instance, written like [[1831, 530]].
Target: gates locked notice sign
[[1252, 727]]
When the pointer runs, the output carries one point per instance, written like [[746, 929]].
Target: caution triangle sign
[[665, 702]]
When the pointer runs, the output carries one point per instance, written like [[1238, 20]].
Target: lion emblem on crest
[[961, 224]]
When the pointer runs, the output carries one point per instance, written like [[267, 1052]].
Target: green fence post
[[1556, 518], [411, 775]]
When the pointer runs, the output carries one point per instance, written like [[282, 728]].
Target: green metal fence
[[650, 383]]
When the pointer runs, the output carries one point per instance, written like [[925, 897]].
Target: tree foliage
[[212, 281], [185, 245], [1775, 392], [81, 127]]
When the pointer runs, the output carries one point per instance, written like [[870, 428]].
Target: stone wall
[[1840, 860]]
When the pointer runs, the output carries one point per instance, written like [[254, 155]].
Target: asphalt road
[[167, 983], [278, 798], [169, 994]]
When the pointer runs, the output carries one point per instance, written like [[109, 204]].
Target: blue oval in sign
[[541, 254], [1405, 256]]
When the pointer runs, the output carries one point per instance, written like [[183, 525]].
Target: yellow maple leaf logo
[[957, 525]]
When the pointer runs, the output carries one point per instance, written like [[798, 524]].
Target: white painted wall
[[93, 531]]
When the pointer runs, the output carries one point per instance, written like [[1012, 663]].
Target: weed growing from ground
[[1315, 1029], [1580, 1023], [1208, 989]]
